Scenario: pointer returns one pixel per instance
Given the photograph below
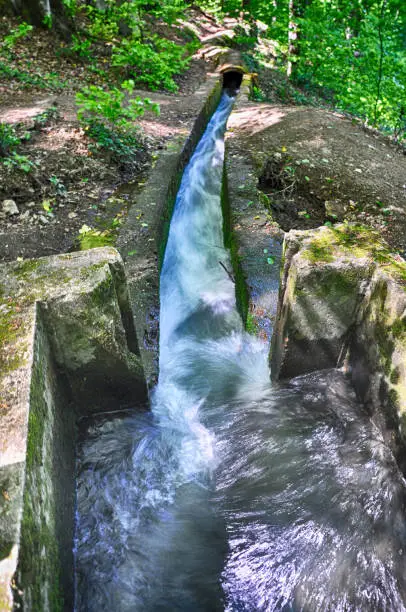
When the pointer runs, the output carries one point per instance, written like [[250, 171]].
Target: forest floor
[[69, 187], [316, 166], [319, 167]]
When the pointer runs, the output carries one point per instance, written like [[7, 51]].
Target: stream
[[230, 493]]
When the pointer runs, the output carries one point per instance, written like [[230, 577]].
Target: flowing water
[[231, 494]]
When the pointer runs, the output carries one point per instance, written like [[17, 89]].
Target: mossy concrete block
[[377, 356], [342, 302], [67, 347], [325, 276], [321, 289]]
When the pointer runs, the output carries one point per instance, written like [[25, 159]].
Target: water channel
[[230, 494]]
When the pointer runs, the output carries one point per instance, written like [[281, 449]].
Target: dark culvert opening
[[232, 80]]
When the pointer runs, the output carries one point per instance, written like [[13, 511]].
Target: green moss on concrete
[[39, 571], [35, 542], [25, 269], [354, 241], [11, 328], [338, 285], [90, 271], [36, 417], [251, 325], [398, 329], [394, 376], [173, 189], [241, 291], [96, 238], [102, 293], [394, 398], [320, 249]]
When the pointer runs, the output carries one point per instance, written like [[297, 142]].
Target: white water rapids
[[230, 494]]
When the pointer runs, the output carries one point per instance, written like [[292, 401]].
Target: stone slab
[[342, 303], [67, 348]]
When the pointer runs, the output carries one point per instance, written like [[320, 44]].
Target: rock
[[25, 215], [10, 207], [342, 302], [317, 303], [72, 215], [42, 219], [68, 347], [335, 209]]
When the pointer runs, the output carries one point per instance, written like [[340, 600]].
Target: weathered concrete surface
[[343, 302], [377, 355], [142, 239], [67, 346], [253, 237], [321, 290]]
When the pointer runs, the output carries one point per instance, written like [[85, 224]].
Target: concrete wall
[[67, 348], [143, 251], [342, 303]]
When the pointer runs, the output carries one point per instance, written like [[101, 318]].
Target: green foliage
[[104, 26], [360, 66], [21, 162], [109, 117], [44, 118], [81, 47], [350, 52], [257, 94], [167, 10], [59, 189], [96, 103], [22, 30], [71, 7], [47, 21], [151, 64], [48, 80], [125, 30], [122, 146], [8, 139]]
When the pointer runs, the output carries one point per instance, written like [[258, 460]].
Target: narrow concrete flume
[[233, 493], [228, 491]]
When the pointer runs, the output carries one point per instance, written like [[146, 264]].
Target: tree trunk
[[297, 10], [49, 13]]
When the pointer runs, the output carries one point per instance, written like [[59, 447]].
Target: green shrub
[[10, 40], [48, 80], [14, 160], [96, 103], [152, 64], [109, 118], [81, 47], [122, 146], [45, 117], [8, 139]]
